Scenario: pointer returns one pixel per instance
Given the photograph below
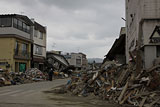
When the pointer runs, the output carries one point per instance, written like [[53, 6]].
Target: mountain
[[97, 60]]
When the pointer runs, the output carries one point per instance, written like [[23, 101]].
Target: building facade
[[78, 60], [142, 17], [57, 60], [15, 42], [39, 46]]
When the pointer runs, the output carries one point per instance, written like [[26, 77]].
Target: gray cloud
[[90, 26]]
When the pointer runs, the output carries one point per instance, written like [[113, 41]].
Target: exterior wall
[[148, 28], [142, 16], [39, 42], [149, 56], [8, 54], [12, 30], [150, 8], [74, 57], [43, 51], [20, 42], [7, 51], [26, 60]]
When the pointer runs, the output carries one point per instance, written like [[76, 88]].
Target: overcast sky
[[88, 26]]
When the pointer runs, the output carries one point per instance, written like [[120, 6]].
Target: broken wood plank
[[123, 91], [153, 68], [143, 101], [125, 98], [154, 102]]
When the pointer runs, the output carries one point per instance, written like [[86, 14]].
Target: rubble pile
[[119, 84], [15, 78], [35, 75]]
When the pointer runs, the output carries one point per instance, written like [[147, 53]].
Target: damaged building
[[57, 60], [117, 51], [78, 60], [142, 21]]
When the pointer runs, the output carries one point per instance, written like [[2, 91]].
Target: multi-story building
[[79, 60], [142, 17], [39, 45], [84, 60], [57, 60], [15, 42]]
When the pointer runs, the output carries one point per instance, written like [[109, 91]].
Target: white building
[[79, 60], [142, 17]]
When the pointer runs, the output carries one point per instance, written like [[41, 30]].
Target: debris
[[15, 78], [119, 84]]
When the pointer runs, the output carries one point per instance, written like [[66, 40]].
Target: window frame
[[40, 35], [6, 24]]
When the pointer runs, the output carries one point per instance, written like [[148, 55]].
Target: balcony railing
[[22, 54]]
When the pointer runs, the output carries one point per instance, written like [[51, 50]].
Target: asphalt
[[28, 95], [40, 94]]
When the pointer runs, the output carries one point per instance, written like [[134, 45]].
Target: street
[[28, 95], [40, 94]]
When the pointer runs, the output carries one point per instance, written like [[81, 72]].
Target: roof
[[122, 31], [117, 48], [39, 27], [56, 56], [23, 17]]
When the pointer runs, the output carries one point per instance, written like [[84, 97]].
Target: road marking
[[10, 92], [22, 93]]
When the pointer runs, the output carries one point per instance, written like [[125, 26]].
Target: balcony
[[22, 54]]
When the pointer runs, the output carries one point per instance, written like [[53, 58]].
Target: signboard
[[155, 37]]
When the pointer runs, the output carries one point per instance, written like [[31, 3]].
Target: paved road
[[33, 95], [28, 95]]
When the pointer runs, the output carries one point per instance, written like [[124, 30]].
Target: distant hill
[[97, 60]]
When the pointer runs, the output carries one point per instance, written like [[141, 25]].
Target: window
[[5, 22], [24, 27], [41, 35], [15, 23], [35, 33], [78, 60], [20, 25], [38, 50], [28, 29], [16, 48], [24, 49]]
